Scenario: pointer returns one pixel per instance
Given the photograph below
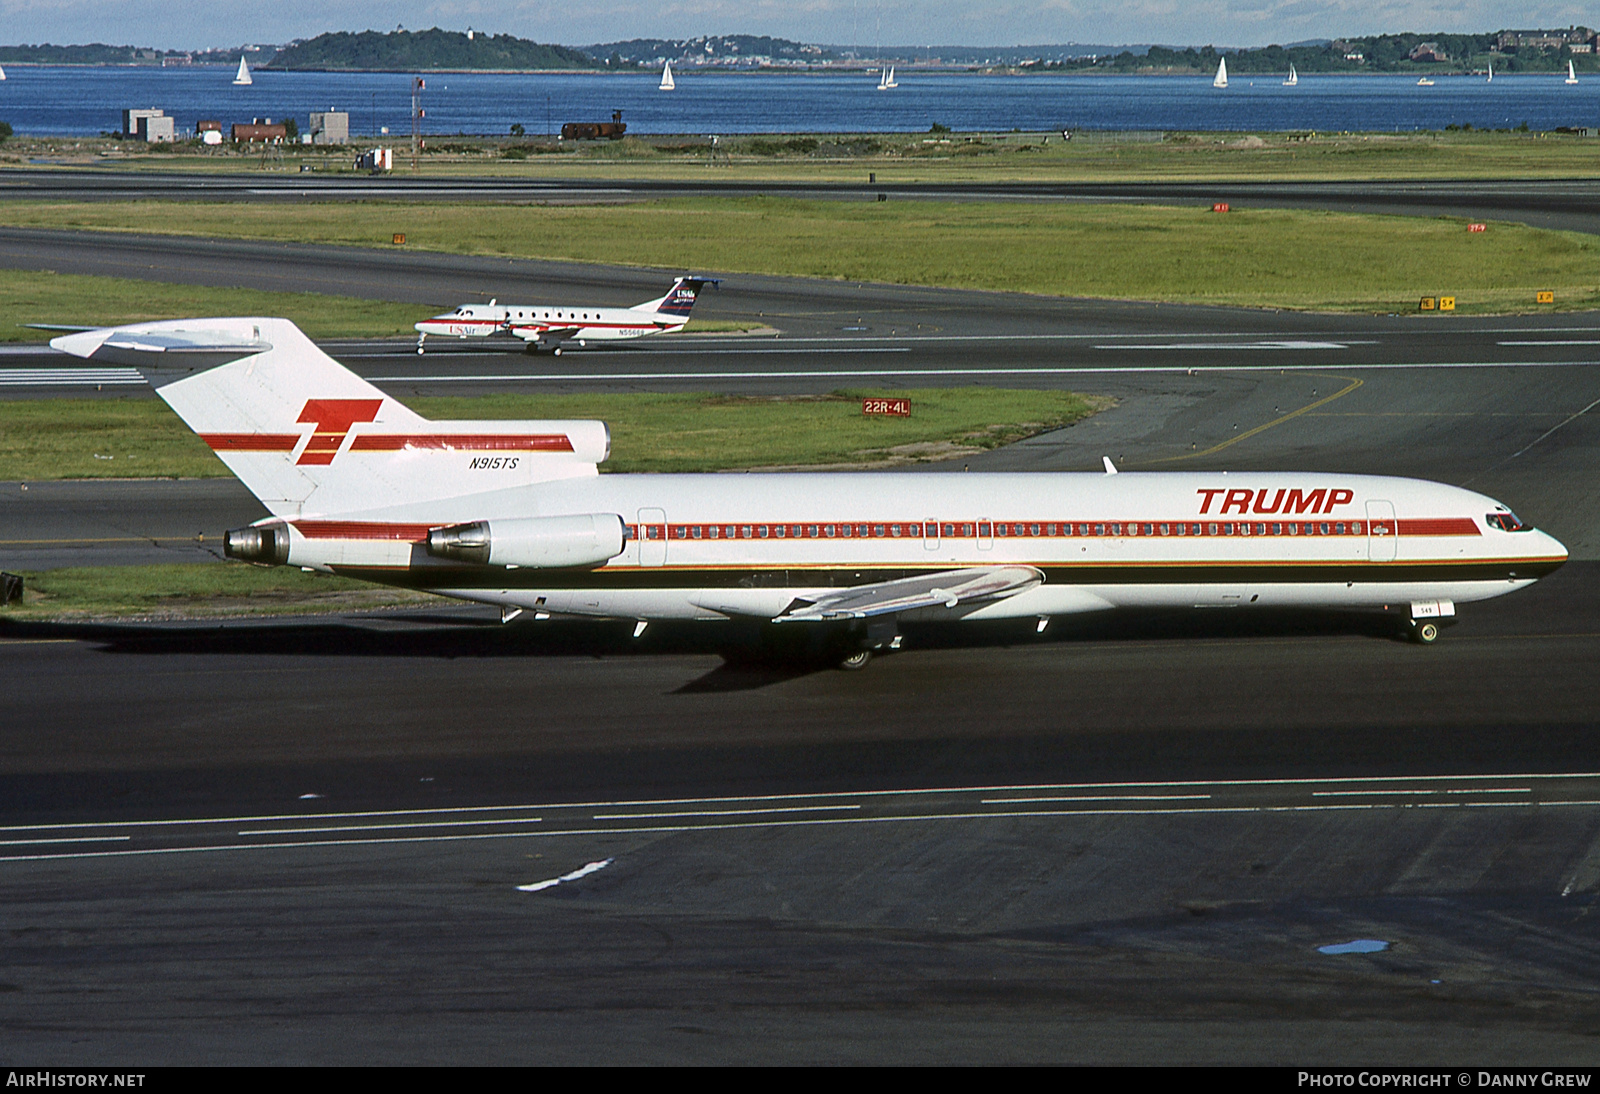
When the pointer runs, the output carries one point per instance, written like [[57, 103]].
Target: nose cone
[[431, 326], [1553, 547]]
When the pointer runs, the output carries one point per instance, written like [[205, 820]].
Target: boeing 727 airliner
[[516, 514], [546, 326]]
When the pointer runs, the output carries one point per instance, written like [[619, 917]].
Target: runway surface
[[425, 837], [1554, 203]]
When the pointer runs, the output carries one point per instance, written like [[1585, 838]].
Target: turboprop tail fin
[[679, 301], [309, 437]]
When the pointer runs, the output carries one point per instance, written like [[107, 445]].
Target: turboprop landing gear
[[421, 338]]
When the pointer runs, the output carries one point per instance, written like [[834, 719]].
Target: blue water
[[87, 101]]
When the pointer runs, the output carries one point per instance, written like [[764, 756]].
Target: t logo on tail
[[333, 418]]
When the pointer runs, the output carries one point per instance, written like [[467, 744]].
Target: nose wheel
[[421, 338]]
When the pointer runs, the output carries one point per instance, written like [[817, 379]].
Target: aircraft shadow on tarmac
[[755, 656]]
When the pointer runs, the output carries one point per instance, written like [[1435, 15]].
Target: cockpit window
[[1506, 522]]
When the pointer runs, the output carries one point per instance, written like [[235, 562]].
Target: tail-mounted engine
[[589, 539], [268, 544]]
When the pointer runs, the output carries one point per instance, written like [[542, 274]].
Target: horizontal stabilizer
[[177, 347], [947, 590]]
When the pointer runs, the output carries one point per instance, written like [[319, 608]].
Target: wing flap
[[947, 590]]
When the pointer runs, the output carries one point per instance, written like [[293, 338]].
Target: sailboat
[[1222, 73], [667, 82], [1572, 77], [1294, 78], [1490, 80], [887, 81], [243, 78], [2, 73]]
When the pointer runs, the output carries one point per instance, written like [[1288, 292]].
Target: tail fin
[[309, 437], [679, 301]]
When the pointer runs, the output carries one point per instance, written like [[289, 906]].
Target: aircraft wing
[[545, 334], [164, 346], [947, 590]]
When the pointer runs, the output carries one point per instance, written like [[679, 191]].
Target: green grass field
[[196, 590], [1252, 258], [142, 438], [27, 296]]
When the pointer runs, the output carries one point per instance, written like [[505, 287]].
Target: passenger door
[[1383, 532], [652, 537]]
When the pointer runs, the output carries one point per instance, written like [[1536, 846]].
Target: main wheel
[[1424, 633], [855, 661]]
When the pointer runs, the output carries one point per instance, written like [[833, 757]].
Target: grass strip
[[191, 590], [1275, 258], [907, 157], [141, 438], [30, 296]]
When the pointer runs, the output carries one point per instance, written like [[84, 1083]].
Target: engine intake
[[267, 544], [588, 539]]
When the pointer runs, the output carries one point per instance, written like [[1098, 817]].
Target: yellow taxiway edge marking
[[1354, 383]]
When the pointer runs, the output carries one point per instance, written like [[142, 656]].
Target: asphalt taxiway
[[427, 837]]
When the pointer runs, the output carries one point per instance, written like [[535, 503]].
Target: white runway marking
[[1237, 345], [68, 377], [580, 872], [749, 812], [894, 374]]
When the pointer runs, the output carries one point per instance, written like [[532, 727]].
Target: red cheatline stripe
[[360, 529], [1440, 526], [472, 442], [251, 442]]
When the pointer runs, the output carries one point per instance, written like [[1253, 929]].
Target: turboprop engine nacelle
[[588, 539]]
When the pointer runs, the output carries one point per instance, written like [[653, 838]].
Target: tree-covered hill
[[1507, 51], [420, 51]]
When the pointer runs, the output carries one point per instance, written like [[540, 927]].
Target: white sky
[[189, 25]]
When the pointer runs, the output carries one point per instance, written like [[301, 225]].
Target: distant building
[[149, 125], [158, 130], [260, 131], [330, 127], [379, 159], [593, 131], [132, 118], [1512, 40], [1428, 53]]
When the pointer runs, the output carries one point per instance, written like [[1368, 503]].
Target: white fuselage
[[713, 546], [531, 322]]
